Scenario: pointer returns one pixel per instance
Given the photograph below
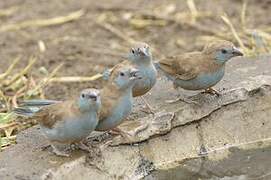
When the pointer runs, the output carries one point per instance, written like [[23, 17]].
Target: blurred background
[[52, 49]]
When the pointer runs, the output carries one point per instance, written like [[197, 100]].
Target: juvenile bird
[[199, 70], [67, 121], [117, 98], [140, 57]]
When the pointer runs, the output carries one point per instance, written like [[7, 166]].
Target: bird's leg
[[124, 134], [58, 152], [151, 109], [105, 145], [211, 91], [139, 129], [115, 131], [83, 147], [182, 98], [44, 147]]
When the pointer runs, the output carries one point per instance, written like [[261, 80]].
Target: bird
[[67, 122], [140, 57], [117, 97], [199, 70]]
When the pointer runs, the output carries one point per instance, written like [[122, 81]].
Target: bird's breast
[[148, 80], [119, 112]]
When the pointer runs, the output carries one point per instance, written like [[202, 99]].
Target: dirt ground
[[87, 48]]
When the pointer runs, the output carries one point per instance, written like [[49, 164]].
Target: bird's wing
[[183, 67], [49, 115], [109, 98]]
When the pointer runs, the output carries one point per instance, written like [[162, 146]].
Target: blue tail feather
[[24, 111], [29, 107], [38, 102]]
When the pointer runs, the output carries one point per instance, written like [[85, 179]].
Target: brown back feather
[[50, 115], [189, 65]]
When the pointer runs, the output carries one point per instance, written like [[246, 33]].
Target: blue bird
[[117, 97], [199, 70], [140, 57], [68, 121]]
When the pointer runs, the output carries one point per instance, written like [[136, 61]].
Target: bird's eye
[[224, 51], [121, 74], [83, 95], [133, 51]]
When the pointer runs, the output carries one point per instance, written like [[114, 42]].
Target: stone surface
[[178, 136]]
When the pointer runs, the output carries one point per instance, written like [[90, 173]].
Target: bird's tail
[[38, 102], [28, 108], [25, 111]]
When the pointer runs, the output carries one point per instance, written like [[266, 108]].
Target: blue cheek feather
[[223, 58]]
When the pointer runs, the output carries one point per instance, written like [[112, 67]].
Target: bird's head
[[90, 100], [140, 53], [222, 51], [125, 76]]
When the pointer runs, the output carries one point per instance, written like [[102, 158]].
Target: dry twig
[[235, 34], [8, 11], [43, 22]]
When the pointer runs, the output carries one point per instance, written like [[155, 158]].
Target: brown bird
[[199, 70], [140, 57], [117, 98], [67, 121]]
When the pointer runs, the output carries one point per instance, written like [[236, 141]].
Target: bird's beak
[[237, 52], [143, 52], [93, 97], [135, 74]]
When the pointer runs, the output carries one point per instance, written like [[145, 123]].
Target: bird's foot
[[83, 147], [148, 110], [138, 130], [149, 107], [58, 152], [93, 151], [212, 91], [186, 100], [124, 134], [44, 147], [105, 145]]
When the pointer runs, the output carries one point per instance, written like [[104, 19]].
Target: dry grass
[[42, 22], [15, 85], [20, 84]]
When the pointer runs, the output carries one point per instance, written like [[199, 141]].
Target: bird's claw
[[212, 91], [149, 107], [188, 101], [58, 152], [122, 133], [84, 147]]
